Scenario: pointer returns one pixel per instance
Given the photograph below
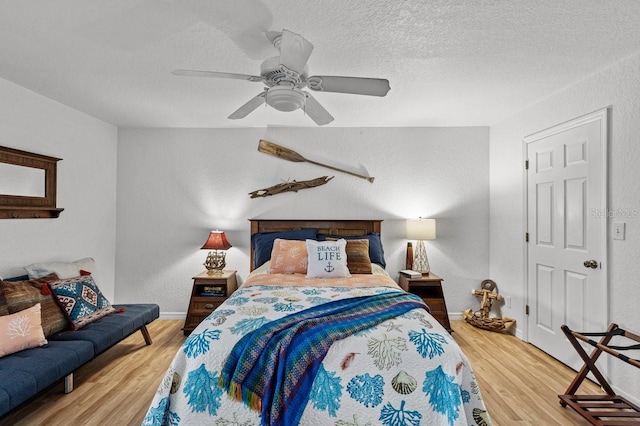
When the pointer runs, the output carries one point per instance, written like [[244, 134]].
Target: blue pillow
[[376, 252], [20, 278], [263, 242]]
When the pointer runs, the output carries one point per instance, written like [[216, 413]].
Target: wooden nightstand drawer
[[435, 305], [429, 288], [208, 292], [205, 305]]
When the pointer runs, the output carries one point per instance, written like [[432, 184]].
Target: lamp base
[[420, 261], [215, 263], [409, 261]]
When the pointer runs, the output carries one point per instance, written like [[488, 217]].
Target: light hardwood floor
[[519, 383]]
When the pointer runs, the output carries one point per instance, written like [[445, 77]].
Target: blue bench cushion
[[25, 373], [111, 329], [28, 372]]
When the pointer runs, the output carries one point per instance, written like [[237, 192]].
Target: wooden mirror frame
[[27, 207]]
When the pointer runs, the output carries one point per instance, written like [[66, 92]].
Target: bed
[[358, 350]]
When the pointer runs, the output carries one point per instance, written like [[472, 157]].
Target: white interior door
[[567, 226]]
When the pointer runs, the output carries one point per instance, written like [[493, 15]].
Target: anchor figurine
[[481, 318]]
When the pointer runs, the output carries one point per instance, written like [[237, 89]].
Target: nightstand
[[208, 292], [429, 288]]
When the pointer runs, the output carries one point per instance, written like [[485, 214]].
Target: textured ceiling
[[449, 63]]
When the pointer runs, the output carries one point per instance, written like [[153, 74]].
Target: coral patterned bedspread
[[406, 371]]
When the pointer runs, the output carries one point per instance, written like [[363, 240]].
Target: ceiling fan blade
[[316, 111], [247, 108], [294, 51], [354, 85], [194, 73], [244, 22]]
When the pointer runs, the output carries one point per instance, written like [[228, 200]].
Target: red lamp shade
[[216, 241]]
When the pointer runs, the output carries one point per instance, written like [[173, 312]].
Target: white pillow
[[327, 259], [63, 270]]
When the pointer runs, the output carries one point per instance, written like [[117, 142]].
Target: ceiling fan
[[286, 75]]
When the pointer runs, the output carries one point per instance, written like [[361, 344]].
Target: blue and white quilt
[[407, 371]]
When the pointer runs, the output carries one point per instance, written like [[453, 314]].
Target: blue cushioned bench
[[26, 373]]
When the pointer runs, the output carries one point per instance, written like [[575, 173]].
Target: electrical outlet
[[618, 230], [507, 301]]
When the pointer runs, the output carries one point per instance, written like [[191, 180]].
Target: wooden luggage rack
[[605, 410]]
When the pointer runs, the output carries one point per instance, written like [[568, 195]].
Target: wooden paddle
[[290, 155]]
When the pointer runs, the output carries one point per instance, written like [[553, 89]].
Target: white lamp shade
[[421, 229]]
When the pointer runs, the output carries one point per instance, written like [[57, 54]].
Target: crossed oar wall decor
[[276, 150], [290, 186], [290, 155]]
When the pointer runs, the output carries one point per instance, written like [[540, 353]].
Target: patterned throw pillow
[[81, 300], [288, 257], [21, 295], [21, 330], [358, 260], [327, 259]]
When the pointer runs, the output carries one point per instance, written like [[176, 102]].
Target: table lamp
[[421, 229], [217, 242]]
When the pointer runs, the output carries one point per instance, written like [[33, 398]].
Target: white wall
[[619, 88], [174, 185], [86, 185]]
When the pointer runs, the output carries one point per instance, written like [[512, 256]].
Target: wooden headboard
[[347, 228]]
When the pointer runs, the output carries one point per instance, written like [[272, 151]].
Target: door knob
[[590, 264]]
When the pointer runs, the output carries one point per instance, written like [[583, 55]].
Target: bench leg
[[146, 335], [68, 379], [68, 383]]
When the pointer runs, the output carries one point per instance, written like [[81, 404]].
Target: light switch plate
[[618, 230]]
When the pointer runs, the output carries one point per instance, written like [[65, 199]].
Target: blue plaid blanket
[[274, 366]]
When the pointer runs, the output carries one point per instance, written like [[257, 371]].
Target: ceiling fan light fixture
[[285, 98]]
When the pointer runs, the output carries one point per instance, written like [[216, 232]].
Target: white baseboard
[[173, 316], [455, 316]]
